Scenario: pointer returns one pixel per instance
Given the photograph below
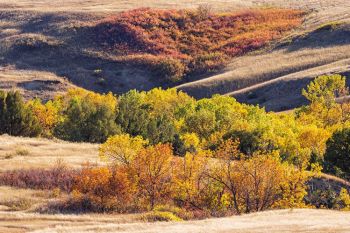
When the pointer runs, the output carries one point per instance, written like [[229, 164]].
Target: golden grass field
[[17, 152]]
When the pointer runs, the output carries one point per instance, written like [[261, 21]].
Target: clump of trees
[[143, 177], [213, 155], [15, 117]]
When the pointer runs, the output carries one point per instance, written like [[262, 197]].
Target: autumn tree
[[103, 189], [122, 149], [48, 114], [322, 94], [152, 169], [324, 89], [253, 184], [293, 188], [191, 182]]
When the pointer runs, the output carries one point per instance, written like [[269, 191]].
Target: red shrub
[[188, 35], [39, 179]]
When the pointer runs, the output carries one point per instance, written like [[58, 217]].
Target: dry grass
[[32, 83], [42, 153], [275, 78], [13, 199], [297, 220], [248, 70], [322, 10]]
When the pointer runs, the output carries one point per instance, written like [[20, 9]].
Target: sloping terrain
[[275, 78], [50, 40], [17, 152]]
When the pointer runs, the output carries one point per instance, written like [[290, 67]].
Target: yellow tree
[[224, 170], [263, 175], [122, 148], [191, 181], [48, 114], [152, 168], [322, 94], [293, 188]]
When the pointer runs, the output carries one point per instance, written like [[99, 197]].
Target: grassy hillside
[[66, 42], [17, 152], [174, 44], [158, 47], [276, 77]]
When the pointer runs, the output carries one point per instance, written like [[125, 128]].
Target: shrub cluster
[[44, 179], [144, 178], [188, 42]]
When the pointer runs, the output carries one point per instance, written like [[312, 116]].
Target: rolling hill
[[51, 47]]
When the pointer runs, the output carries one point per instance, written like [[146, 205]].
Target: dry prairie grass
[[40, 83], [44, 153], [298, 220], [275, 78], [322, 10], [248, 70]]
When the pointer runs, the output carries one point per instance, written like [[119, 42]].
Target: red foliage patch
[[40, 179], [201, 42]]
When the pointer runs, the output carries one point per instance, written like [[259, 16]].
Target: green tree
[[249, 142], [133, 113], [136, 117], [88, 117], [15, 118], [324, 89], [201, 122], [337, 156]]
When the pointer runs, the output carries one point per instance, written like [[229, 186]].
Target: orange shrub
[[153, 175], [102, 189]]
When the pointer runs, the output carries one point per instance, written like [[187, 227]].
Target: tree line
[[214, 154]]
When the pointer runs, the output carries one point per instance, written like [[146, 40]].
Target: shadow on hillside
[[322, 37], [280, 96], [68, 59]]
